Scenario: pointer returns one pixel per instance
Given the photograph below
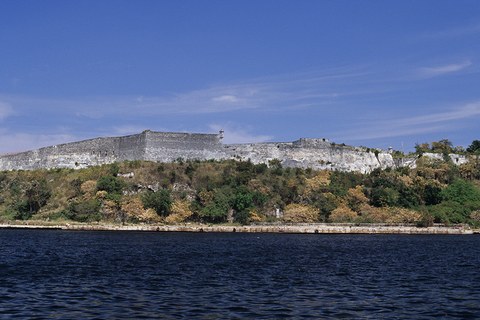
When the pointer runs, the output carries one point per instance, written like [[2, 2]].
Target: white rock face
[[315, 156]]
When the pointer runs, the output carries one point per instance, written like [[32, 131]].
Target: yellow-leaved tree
[[298, 213], [180, 212], [343, 214]]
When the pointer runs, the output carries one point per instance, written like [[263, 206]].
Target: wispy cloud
[[429, 123], [228, 98], [235, 134], [11, 142], [130, 129], [459, 31], [429, 72], [465, 111], [322, 100], [5, 110], [267, 93]]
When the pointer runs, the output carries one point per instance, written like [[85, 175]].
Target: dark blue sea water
[[132, 275]]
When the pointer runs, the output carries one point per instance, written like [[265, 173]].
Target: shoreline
[[292, 229]]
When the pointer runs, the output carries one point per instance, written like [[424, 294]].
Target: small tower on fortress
[[220, 134]]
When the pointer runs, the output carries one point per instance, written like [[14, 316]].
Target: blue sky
[[373, 73]]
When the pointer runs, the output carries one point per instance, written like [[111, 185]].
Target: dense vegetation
[[233, 191]]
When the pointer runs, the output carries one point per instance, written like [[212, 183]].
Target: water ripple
[[125, 275]]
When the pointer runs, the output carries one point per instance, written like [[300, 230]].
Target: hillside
[[243, 192]]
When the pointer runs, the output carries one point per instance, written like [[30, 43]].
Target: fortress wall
[[311, 143], [131, 147], [79, 154], [167, 147], [69, 155]]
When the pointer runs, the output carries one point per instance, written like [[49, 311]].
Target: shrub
[[83, 211], [426, 220], [88, 188], [475, 217]]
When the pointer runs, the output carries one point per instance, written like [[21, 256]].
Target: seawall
[[307, 229]]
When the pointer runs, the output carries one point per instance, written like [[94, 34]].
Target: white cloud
[[234, 134], [429, 72]]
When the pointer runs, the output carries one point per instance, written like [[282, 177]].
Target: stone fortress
[[168, 146]]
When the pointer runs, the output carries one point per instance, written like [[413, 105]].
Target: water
[[132, 275]]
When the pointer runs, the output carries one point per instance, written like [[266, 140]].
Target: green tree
[[408, 197], [432, 195], [160, 201], [324, 204], [242, 202], [36, 196], [216, 210], [340, 182], [461, 191], [459, 199], [450, 212], [110, 184], [474, 147], [384, 197], [443, 146], [422, 148], [245, 172]]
